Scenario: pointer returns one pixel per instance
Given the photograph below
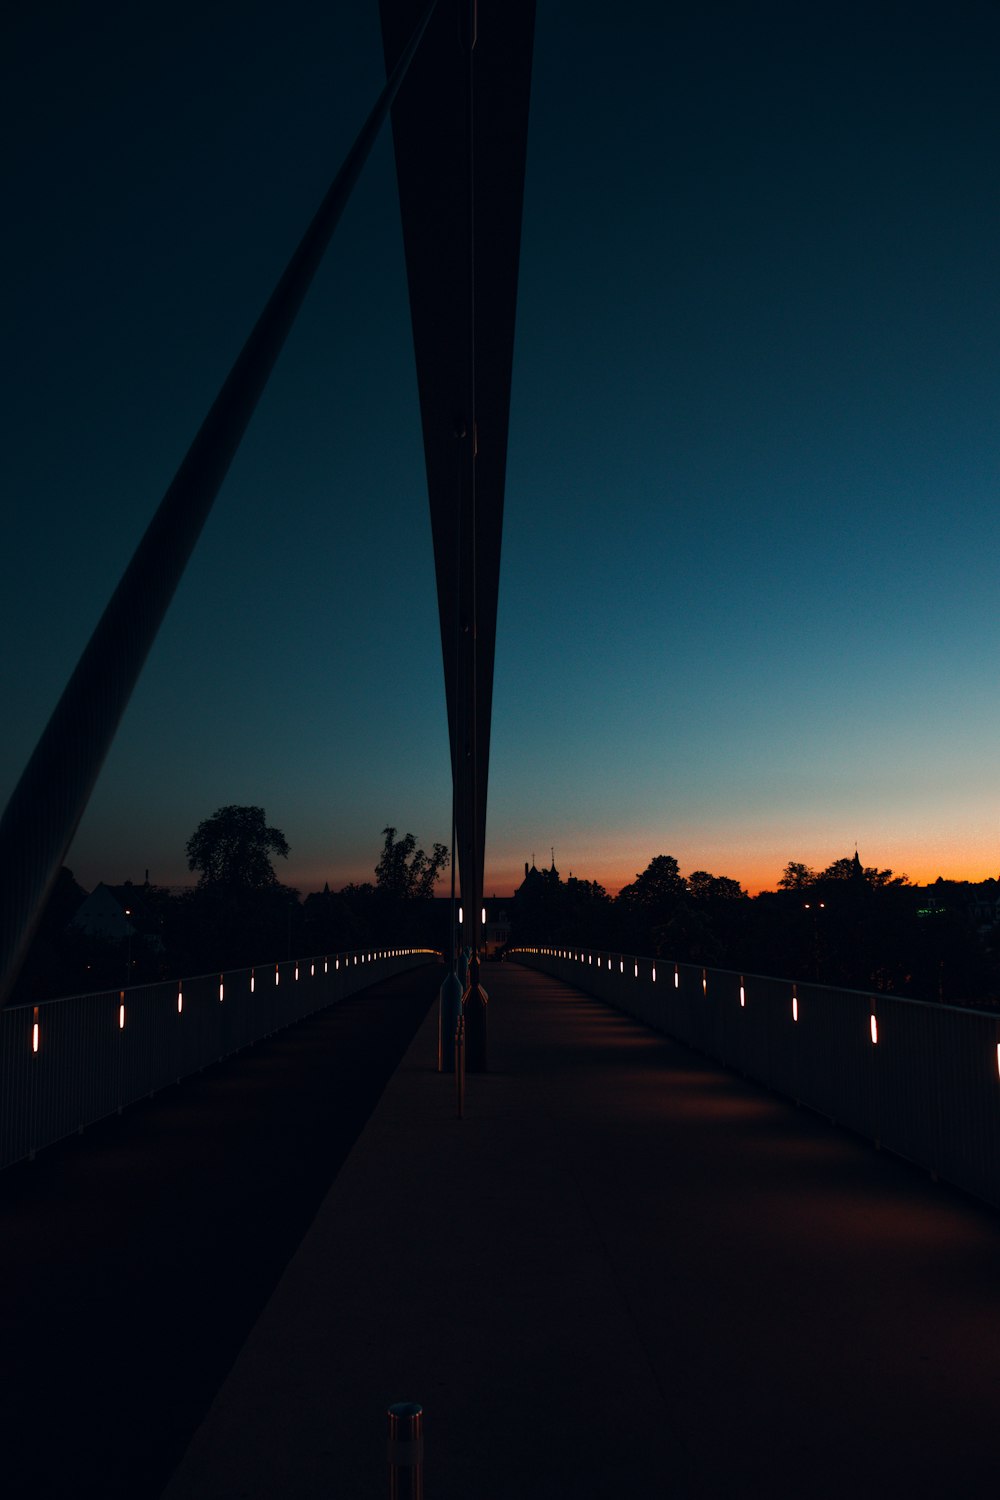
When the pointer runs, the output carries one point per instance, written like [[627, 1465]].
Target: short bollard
[[406, 1451], [460, 1064], [449, 1010]]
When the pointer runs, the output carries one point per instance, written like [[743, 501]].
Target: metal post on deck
[[460, 1064], [476, 1012], [406, 1451], [449, 1011]]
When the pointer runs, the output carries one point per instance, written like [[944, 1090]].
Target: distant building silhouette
[[118, 912]]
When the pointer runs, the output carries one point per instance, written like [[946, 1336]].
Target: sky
[[748, 593]]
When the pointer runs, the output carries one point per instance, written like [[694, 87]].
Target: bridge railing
[[69, 1062], [920, 1079]]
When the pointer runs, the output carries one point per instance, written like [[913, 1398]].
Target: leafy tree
[[233, 849], [406, 873], [587, 912], [852, 869], [239, 913], [648, 904], [796, 877], [705, 887], [657, 889], [327, 923], [690, 935]]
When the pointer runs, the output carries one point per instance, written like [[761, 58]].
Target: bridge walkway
[[624, 1272]]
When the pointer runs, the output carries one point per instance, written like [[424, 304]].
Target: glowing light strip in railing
[[35, 1032], [840, 1034], [588, 958]]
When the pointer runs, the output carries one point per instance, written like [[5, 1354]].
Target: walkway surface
[[623, 1273], [138, 1256]]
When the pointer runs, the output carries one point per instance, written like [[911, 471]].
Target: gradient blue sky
[[748, 605]]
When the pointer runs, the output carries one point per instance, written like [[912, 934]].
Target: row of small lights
[[348, 959], [589, 959]]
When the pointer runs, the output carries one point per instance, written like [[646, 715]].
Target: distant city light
[[874, 1029]]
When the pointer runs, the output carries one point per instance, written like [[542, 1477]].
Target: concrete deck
[[138, 1257], [624, 1272]]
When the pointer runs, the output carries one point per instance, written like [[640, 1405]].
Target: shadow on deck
[[625, 1272]]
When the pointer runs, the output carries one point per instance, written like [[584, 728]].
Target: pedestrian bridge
[[626, 1269], [632, 1265]]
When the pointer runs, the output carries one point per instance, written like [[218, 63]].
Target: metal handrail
[[66, 1063], [920, 1079]]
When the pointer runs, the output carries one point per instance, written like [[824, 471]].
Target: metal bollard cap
[[405, 1419], [406, 1434]]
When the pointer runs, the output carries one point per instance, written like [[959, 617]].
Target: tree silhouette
[[655, 892], [405, 872], [233, 849], [705, 887]]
